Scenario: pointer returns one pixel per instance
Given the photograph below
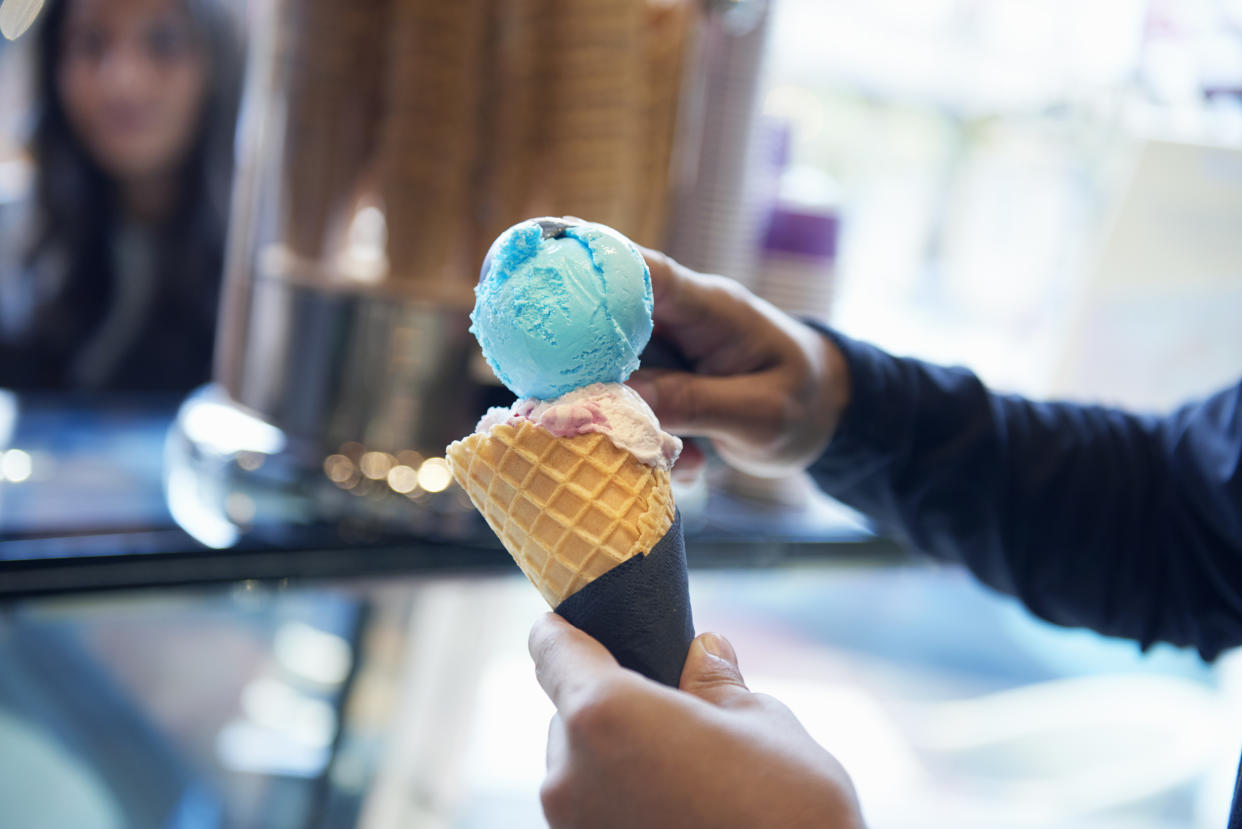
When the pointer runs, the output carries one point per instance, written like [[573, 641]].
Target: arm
[[1091, 516]]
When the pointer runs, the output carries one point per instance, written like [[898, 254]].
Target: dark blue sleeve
[[1091, 516]]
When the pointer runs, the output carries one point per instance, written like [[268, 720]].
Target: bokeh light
[[403, 479], [15, 466], [410, 458], [434, 475], [339, 469], [375, 465]]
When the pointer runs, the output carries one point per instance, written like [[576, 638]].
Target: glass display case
[[157, 680], [335, 672], [265, 605]]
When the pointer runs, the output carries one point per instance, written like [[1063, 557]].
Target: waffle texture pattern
[[567, 509]]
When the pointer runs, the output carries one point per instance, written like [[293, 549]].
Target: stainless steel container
[[383, 144]]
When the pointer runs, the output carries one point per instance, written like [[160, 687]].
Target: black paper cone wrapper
[[640, 609]]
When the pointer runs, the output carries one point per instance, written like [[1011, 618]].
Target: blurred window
[[984, 151]]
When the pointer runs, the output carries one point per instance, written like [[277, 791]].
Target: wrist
[[831, 391], [835, 388]]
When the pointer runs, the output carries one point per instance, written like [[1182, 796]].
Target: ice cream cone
[[568, 509]]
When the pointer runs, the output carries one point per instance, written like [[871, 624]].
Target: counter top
[[93, 497]]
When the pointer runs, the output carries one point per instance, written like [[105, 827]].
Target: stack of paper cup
[[669, 40], [431, 140], [717, 216], [333, 76]]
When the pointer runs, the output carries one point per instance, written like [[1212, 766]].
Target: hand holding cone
[[594, 529]]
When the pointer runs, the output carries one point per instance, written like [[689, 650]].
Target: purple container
[[804, 232]]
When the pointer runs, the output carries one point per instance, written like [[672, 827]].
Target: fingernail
[[718, 647]]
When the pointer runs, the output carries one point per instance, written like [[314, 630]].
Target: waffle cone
[[567, 509]]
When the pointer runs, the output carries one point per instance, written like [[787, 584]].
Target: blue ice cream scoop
[[560, 305]]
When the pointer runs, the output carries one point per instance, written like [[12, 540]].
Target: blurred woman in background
[[114, 262]]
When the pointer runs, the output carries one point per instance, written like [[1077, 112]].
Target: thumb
[[711, 672], [568, 662]]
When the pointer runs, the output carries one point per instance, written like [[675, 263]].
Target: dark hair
[[76, 213]]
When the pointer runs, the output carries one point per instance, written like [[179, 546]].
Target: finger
[[661, 266], [711, 671], [567, 661], [710, 406], [558, 744], [711, 322], [683, 296], [676, 291]]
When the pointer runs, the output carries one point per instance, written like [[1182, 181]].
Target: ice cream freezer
[[350, 653]]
